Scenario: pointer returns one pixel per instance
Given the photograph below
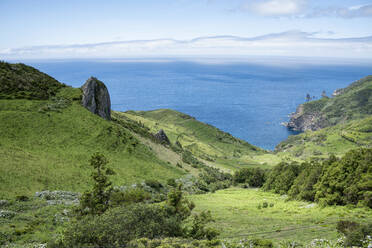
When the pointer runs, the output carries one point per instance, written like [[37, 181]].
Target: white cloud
[[359, 11], [276, 7], [303, 9], [291, 43]]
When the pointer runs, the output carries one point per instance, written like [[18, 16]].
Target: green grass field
[[237, 216], [47, 145]]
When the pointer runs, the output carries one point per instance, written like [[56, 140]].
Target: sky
[[50, 29]]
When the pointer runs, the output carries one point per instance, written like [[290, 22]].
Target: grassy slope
[[44, 146], [331, 140], [236, 213], [206, 142]]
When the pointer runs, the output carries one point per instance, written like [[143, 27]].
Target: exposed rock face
[[7, 214], [162, 137], [4, 203], [96, 98], [303, 121], [59, 197]]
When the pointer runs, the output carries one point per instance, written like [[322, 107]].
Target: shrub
[[303, 185], [254, 177], [153, 184], [347, 181], [261, 243], [199, 228], [188, 158], [179, 205], [129, 196], [171, 182], [282, 177], [355, 233], [331, 182], [173, 243], [117, 226], [96, 201], [22, 198], [212, 179]]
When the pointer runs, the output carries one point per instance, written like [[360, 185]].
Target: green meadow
[[46, 144], [240, 213]]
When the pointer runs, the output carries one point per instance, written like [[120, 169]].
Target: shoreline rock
[[303, 121]]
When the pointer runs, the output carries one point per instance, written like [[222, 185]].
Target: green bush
[[129, 196], [22, 198], [282, 177], [179, 205], [97, 200], [212, 179], [355, 233], [171, 182], [188, 158], [251, 243], [117, 226], [347, 181], [173, 243], [261, 243], [154, 184], [254, 177], [332, 182], [199, 228], [303, 185]]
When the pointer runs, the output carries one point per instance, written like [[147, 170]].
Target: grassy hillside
[[207, 143], [353, 102], [240, 213], [336, 140], [46, 144]]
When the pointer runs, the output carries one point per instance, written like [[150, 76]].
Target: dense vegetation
[[99, 223], [331, 182], [250, 177], [19, 81]]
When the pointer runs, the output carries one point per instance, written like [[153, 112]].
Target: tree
[[96, 201], [308, 97], [179, 205]]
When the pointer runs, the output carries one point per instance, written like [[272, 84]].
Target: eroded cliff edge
[[352, 102]]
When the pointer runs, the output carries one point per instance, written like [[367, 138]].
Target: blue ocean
[[250, 101]]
